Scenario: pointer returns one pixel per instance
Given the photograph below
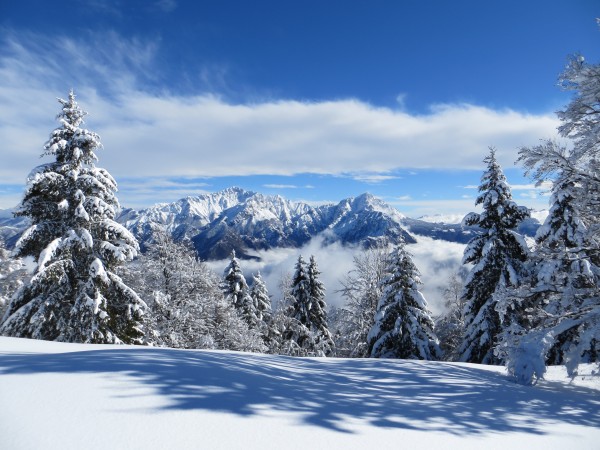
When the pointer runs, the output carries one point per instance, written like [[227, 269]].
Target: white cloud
[[373, 178], [420, 207], [401, 100], [150, 133], [280, 186], [437, 261]]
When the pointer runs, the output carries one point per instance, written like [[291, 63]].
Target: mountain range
[[236, 219]]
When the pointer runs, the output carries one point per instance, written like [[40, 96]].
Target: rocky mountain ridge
[[245, 221]]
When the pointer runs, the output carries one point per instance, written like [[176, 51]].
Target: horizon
[[313, 102]]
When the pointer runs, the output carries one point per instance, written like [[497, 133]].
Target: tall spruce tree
[[561, 296], [403, 326], [74, 295], [307, 331], [318, 308], [498, 254]]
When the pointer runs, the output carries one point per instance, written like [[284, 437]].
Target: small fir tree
[[260, 298], [236, 290], [74, 295], [403, 326]]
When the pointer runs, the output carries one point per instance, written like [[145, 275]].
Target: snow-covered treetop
[[69, 143], [496, 199]]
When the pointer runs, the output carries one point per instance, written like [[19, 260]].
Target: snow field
[[73, 396]]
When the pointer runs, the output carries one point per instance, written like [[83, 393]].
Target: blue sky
[[313, 100]]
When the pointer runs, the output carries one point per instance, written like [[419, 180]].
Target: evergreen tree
[[74, 294], [403, 326], [236, 290], [13, 274], [318, 309], [306, 332], [301, 293], [260, 298], [498, 254], [561, 297]]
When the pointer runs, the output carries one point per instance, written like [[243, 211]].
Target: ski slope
[[74, 396]]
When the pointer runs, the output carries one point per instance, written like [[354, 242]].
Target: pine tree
[[561, 296], [13, 274], [301, 293], [498, 254], [318, 309], [74, 294], [236, 290], [306, 332], [260, 298], [403, 326]]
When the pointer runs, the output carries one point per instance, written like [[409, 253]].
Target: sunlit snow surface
[[72, 396]]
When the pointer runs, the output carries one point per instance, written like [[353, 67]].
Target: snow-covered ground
[[72, 396]]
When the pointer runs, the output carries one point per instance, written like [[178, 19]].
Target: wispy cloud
[[149, 132], [373, 178], [280, 186], [166, 5]]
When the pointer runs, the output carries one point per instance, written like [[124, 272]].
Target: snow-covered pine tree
[[74, 295], [403, 326], [236, 290], [306, 332], [301, 293], [13, 274], [318, 309], [260, 298], [282, 331], [498, 254], [562, 294]]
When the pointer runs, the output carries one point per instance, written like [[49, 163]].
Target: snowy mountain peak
[[245, 221]]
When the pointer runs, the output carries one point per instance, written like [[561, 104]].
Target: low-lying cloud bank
[[435, 259]]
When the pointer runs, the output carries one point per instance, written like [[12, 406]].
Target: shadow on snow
[[329, 392]]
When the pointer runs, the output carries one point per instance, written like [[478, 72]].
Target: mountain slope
[[244, 221], [73, 396], [247, 222]]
